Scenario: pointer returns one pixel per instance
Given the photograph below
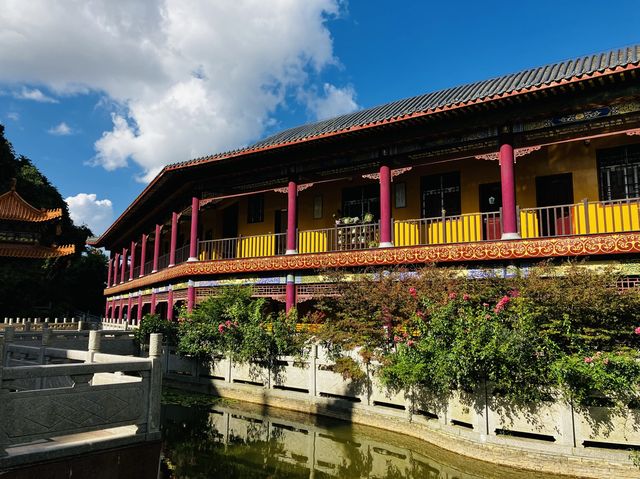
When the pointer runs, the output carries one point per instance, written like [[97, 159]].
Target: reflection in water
[[246, 441]]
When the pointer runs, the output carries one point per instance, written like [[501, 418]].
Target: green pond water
[[211, 438]]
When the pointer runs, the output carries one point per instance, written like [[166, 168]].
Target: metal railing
[[562, 220], [243, 247], [339, 238], [444, 229]]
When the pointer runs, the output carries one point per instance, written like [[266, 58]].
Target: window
[[358, 200], [400, 194], [441, 192], [255, 209], [317, 207], [619, 172]]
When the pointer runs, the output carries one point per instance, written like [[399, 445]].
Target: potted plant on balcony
[[356, 233]]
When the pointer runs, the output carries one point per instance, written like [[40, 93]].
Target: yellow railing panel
[[406, 233], [312, 242], [461, 230], [256, 246], [529, 224], [615, 218]]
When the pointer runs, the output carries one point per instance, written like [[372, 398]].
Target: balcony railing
[[594, 217]]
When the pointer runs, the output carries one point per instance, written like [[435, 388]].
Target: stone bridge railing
[[51, 397]]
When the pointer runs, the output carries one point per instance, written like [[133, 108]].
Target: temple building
[[543, 163], [27, 232]]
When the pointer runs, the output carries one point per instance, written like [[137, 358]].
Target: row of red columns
[[117, 265], [509, 228]]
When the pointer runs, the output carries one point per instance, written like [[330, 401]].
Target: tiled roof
[[521, 82], [14, 207], [9, 250]]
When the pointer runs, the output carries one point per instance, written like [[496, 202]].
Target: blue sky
[[100, 97]]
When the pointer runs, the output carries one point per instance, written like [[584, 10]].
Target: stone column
[[153, 301], [292, 218], [170, 305], [290, 301], [191, 296], [133, 260], [123, 267], [385, 207], [156, 248], [143, 254], [507, 181], [193, 240], [174, 239], [109, 266]]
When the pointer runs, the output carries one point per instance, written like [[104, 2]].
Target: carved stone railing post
[[313, 365], [155, 384], [94, 345]]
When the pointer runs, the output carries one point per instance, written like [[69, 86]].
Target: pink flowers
[[637, 330], [227, 325], [466, 297], [453, 295], [588, 360], [413, 292], [410, 343], [397, 339], [420, 314], [221, 328], [514, 293], [502, 304]]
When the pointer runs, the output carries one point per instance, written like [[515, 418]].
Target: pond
[[205, 437]]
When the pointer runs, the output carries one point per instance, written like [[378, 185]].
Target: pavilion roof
[[13, 250], [15, 208]]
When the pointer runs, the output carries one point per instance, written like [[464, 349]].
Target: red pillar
[[120, 310], [139, 307], [193, 241], [110, 263], [292, 218], [123, 267], [156, 248], [507, 181], [116, 266], [170, 305], [143, 254], [133, 260], [153, 301], [174, 239], [385, 207], [290, 301], [129, 304], [191, 296]]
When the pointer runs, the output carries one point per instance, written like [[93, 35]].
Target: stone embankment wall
[[554, 437]]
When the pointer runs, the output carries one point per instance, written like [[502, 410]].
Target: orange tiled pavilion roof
[[15, 208], [35, 251]]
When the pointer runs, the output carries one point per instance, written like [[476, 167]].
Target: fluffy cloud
[[61, 129], [335, 101], [187, 78], [87, 209], [33, 94]]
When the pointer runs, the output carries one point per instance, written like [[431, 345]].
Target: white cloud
[[87, 209], [61, 129], [187, 78], [335, 101], [33, 94], [13, 115]]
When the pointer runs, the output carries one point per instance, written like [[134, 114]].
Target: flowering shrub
[[566, 328], [236, 325], [153, 323]]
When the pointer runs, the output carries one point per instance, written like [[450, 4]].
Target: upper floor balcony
[[583, 218]]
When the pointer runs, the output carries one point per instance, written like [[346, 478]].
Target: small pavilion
[[28, 232]]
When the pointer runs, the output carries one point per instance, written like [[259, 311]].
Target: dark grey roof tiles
[[534, 77]]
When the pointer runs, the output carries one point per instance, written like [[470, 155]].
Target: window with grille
[[619, 172], [441, 192], [255, 209], [358, 200]]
